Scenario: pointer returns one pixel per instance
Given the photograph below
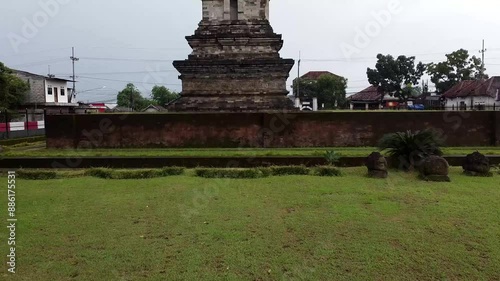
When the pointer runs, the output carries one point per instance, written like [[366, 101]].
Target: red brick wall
[[264, 129]]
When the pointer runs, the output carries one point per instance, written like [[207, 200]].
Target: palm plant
[[332, 157], [410, 148]]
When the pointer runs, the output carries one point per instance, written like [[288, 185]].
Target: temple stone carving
[[235, 64]]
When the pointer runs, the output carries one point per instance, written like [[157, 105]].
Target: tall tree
[[329, 89], [459, 66], [161, 95], [131, 97], [305, 88], [396, 77], [13, 90]]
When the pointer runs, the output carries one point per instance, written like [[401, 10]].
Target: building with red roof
[[474, 94], [371, 99]]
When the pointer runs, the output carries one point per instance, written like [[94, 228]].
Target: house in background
[[315, 75], [310, 103], [49, 93], [154, 109], [474, 95], [431, 101], [371, 99]]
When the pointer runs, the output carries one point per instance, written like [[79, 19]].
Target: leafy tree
[[131, 97], [162, 96], [459, 66], [13, 90], [307, 88], [396, 77], [329, 89]]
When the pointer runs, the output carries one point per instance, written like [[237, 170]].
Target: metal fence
[[22, 124]]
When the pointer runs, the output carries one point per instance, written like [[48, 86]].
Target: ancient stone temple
[[235, 64]]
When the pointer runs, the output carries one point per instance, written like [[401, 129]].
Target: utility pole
[[132, 100], [50, 75], [298, 79], [73, 60], [483, 50]]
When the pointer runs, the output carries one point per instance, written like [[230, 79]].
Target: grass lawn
[[38, 149], [277, 228]]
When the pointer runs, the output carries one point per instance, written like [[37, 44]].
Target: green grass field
[[277, 228], [37, 149]]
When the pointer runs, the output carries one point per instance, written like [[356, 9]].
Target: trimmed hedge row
[[323, 171], [36, 174], [229, 173], [290, 170], [105, 173]]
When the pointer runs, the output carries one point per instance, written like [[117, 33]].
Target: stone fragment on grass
[[377, 166], [477, 165], [435, 168]]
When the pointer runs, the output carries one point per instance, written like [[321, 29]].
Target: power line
[[123, 72], [483, 50], [41, 62], [125, 59], [136, 48], [127, 81], [40, 51], [73, 77]]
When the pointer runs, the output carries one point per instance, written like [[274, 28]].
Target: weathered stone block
[[377, 165], [435, 168], [477, 165]]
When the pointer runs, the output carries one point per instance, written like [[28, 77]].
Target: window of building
[[233, 5], [63, 92], [49, 90]]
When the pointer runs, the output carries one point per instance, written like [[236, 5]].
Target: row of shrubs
[[106, 173], [266, 172]]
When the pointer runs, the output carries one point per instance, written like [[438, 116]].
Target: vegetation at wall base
[[21, 141], [332, 157], [38, 150]]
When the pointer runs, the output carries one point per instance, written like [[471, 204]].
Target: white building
[[474, 95], [46, 92]]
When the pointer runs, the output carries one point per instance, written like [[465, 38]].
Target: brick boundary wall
[[269, 130]]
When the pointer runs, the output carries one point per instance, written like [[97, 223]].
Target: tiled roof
[[369, 94], [315, 75], [156, 107], [474, 88], [39, 76]]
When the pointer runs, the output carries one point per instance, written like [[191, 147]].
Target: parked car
[[416, 107]]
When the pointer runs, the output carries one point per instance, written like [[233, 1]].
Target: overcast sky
[[120, 41]]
